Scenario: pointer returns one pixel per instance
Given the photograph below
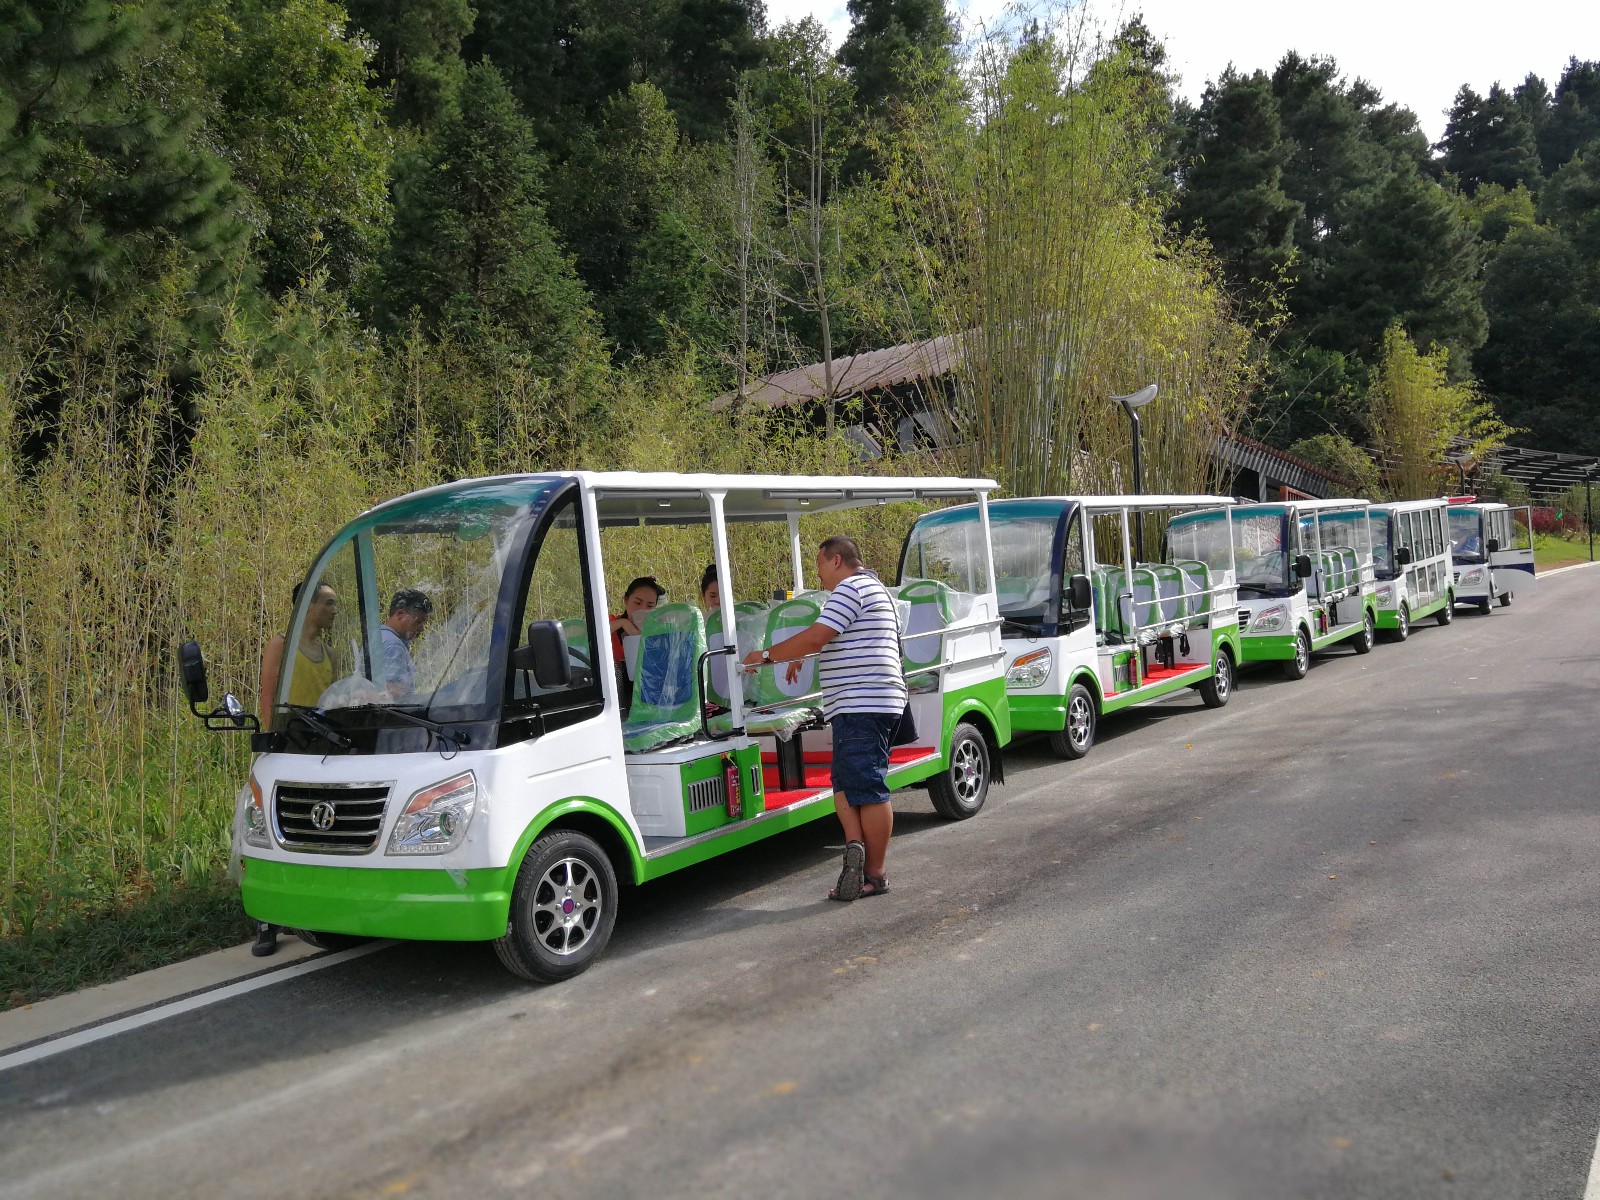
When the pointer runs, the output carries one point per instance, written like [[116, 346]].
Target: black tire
[[1368, 638], [1448, 612], [1214, 692], [1402, 629], [1483, 607], [330, 941], [958, 791], [563, 908], [1505, 599], [1300, 664], [1074, 741]]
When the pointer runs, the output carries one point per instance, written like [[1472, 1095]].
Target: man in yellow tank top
[[313, 657]]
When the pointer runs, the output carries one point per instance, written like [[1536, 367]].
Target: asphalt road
[[1337, 939]]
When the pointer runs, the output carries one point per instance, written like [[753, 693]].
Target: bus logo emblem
[[322, 816]]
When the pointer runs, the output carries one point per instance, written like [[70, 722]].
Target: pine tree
[[472, 252], [1575, 115], [1232, 191], [419, 52], [712, 43], [96, 178], [1490, 139], [885, 38]]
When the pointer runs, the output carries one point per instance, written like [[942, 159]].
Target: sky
[[1416, 52]]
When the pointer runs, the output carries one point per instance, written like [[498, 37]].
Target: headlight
[[1029, 671], [1471, 577], [255, 818], [1270, 620], [1386, 595], [436, 818]]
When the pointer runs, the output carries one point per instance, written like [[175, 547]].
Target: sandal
[[850, 875], [879, 885]]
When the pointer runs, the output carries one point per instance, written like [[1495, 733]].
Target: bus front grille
[[330, 818]]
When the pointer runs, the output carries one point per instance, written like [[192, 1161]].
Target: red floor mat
[[1158, 674]]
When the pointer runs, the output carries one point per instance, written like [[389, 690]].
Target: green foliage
[[1341, 457], [886, 39], [302, 132], [1419, 416], [472, 252]]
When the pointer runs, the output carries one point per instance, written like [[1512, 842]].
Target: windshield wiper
[[1018, 623], [443, 732], [312, 719]]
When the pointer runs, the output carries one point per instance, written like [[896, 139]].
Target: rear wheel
[[1297, 666], [1214, 692], [1074, 741], [1369, 632], [958, 792], [1402, 627], [563, 908], [329, 941], [1448, 612]]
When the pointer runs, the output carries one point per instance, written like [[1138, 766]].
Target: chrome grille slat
[[358, 811]]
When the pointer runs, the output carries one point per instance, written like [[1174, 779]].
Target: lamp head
[[1138, 399]]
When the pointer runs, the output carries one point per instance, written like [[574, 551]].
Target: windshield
[[948, 547], [1466, 534], [1382, 530], [1345, 530], [1201, 537], [1260, 549], [401, 609]]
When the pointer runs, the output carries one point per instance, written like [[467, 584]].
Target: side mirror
[[1302, 566], [192, 666], [1402, 557], [230, 714], [545, 654], [1080, 596], [1493, 545]]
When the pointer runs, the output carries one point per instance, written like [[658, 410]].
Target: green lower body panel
[[1267, 647], [420, 904], [1038, 712], [1389, 618]]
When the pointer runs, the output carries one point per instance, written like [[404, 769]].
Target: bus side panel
[[421, 904]]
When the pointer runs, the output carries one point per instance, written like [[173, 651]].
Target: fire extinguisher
[[730, 777]]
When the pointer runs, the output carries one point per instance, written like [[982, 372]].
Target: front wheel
[[1214, 692], [1369, 632], [1505, 599], [563, 908], [1402, 627], [329, 941], [1074, 741], [958, 792], [1483, 606], [1297, 666], [1448, 612]]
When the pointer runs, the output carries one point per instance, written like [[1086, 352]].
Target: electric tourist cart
[[503, 792], [1492, 549], [1411, 563], [1089, 627], [1305, 580]]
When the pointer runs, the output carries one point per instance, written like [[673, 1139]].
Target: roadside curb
[[107, 1001], [1568, 567]]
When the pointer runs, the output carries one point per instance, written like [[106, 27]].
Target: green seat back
[[1170, 586], [769, 687], [1197, 583], [666, 692], [929, 611], [1110, 612]]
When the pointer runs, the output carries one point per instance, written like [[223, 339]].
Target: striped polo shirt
[[860, 667]]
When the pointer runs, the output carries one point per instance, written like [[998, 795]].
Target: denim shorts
[[861, 756]]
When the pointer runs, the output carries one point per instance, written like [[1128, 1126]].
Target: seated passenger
[[710, 592], [408, 615], [642, 595]]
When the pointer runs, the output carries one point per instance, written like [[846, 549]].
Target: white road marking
[[1592, 1192], [161, 1012]]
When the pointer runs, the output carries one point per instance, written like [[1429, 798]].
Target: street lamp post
[[1588, 504], [1131, 404]]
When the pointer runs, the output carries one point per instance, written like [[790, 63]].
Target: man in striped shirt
[[863, 695]]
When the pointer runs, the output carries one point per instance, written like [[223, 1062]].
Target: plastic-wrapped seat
[[929, 611], [774, 705], [666, 692], [1110, 607], [1170, 584], [1196, 585]]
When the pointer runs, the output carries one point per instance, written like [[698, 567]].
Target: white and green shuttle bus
[[1305, 580], [1090, 628], [1492, 549], [1411, 563], [501, 788]]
